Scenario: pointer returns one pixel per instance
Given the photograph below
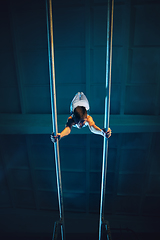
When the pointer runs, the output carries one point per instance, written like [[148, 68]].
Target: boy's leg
[[81, 99], [75, 99], [84, 98]]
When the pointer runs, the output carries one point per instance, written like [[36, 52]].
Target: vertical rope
[[52, 68], [54, 108], [107, 112], [110, 70]]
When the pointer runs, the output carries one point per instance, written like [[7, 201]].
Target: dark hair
[[79, 113]]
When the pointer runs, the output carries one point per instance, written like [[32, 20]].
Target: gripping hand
[[106, 134], [55, 138]]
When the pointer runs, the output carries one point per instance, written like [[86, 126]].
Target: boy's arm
[[65, 132], [97, 130], [68, 128]]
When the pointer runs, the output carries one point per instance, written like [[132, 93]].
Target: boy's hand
[[108, 133], [55, 138]]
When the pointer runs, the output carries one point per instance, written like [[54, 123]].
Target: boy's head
[[80, 115]]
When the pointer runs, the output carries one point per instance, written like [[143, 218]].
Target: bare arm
[[96, 130], [65, 132]]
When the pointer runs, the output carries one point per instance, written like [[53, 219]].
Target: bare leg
[[80, 99], [75, 99]]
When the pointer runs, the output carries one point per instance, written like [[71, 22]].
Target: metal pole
[[54, 108], [107, 112]]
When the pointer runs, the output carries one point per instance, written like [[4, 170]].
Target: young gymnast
[[79, 119]]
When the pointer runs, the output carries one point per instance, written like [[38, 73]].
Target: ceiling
[[28, 202]]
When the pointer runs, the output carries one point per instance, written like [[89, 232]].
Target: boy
[[79, 118]]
